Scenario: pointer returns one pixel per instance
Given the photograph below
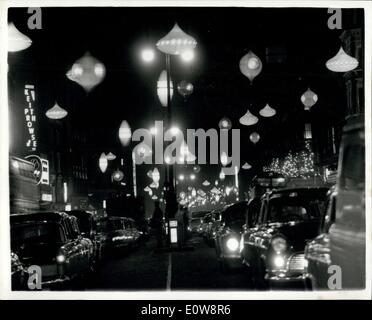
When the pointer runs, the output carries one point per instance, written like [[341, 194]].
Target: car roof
[[80, 213], [38, 216], [301, 190]]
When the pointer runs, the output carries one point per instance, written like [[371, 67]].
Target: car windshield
[[235, 214], [36, 233], [284, 209]]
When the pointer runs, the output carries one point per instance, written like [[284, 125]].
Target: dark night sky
[[116, 35]]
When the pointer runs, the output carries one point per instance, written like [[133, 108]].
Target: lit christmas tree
[[295, 165]]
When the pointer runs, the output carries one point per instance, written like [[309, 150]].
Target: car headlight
[[279, 261], [61, 258], [232, 244], [279, 244]]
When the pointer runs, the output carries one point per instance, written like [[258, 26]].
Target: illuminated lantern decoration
[[197, 169], [222, 175], [154, 185], [254, 137], [267, 111], [248, 119], [225, 123], [176, 42], [206, 183], [250, 65], [103, 162], [154, 197], [118, 175], [342, 62], [147, 189], [185, 88], [56, 113], [17, 41], [125, 133], [224, 158], [155, 175], [110, 156], [182, 195], [193, 192], [309, 98], [87, 71], [246, 166], [163, 89]]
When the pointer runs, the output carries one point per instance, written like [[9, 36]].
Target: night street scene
[[186, 148]]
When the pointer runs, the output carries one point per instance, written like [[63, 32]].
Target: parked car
[[228, 235], [52, 241], [347, 235], [19, 274], [196, 221], [317, 251], [273, 248], [88, 229]]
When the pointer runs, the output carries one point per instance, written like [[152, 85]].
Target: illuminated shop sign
[[30, 117], [41, 169]]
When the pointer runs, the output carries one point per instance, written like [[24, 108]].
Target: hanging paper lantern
[[246, 166], [155, 175], [206, 183], [254, 137], [176, 42], [102, 162], [118, 175], [185, 88], [225, 123], [17, 41], [248, 119], [125, 133], [56, 113], [162, 88], [87, 71], [267, 111], [309, 98], [250, 65], [342, 62], [110, 156]]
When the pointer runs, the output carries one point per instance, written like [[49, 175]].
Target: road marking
[[169, 273]]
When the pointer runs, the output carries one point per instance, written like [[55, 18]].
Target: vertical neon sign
[[30, 117]]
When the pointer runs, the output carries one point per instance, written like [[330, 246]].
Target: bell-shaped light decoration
[[110, 156], [248, 119], [206, 183], [250, 65], [56, 113], [103, 162], [342, 62], [87, 71], [154, 197], [176, 42], [118, 175], [162, 88], [254, 137], [125, 133], [155, 175], [267, 111], [147, 189], [246, 166], [215, 191], [185, 88], [225, 123], [309, 98], [17, 41]]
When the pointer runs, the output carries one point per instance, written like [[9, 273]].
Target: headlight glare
[[232, 244]]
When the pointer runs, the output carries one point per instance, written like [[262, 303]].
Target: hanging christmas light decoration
[[155, 175], [17, 41], [206, 183], [246, 166], [110, 156], [185, 88], [118, 175], [196, 169], [225, 123], [222, 175], [125, 133], [254, 137], [56, 113], [342, 62], [267, 111], [224, 159], [103, 162], [162, 88], [250, 65], [248, 119], [87, 72], [309, 98], [176, 42]]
